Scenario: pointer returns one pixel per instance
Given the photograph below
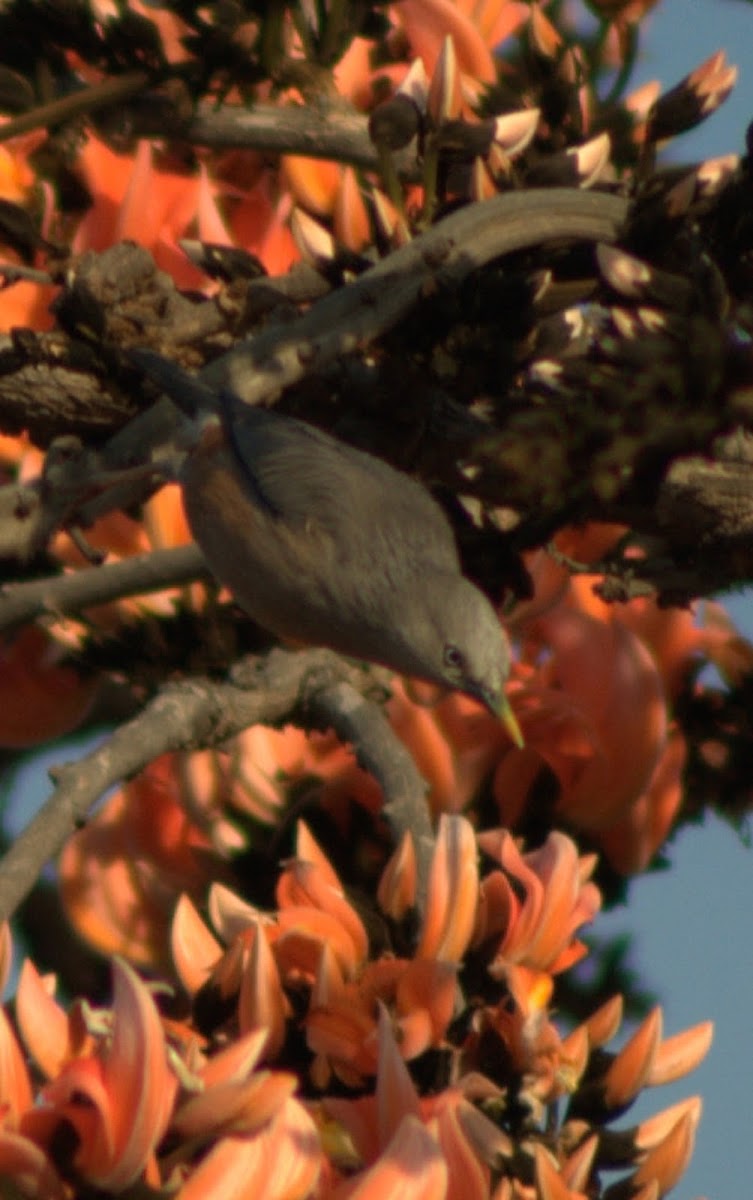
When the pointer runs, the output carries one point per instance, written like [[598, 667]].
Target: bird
[[326, 544]]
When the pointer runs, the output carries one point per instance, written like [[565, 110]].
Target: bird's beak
[[510, 722], [499, 706]]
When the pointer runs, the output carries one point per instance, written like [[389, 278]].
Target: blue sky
[[692, 925]]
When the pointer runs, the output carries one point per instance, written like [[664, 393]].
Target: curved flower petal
[[49, 1035], [15, 1085], [411, 1168], [396, 892], [6, 955], [307, 884], [130, 1088], [280, 1163], [678, 1055], [195, 952], [666, 1163], [631, 1067], [453, 892], [234, 1106], [23, 1162], [262, 1001]]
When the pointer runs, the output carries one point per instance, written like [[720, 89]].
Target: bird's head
[[458, 642]]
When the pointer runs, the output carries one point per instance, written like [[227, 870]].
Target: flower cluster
[[437, 1073]]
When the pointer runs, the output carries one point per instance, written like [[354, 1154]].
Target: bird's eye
[[453, 659]]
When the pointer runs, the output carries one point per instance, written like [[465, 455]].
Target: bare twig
[[31, 512], [65, 594], [361, 723], [76, 104], [313, 686], [11, 273]]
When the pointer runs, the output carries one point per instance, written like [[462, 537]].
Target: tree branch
[[314, 686], [340, 134], [364, 726], [342, 322], [58, 595], [68, 493], [353, 316], [76, 104]]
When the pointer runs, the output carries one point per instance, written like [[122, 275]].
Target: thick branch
[[340, 134], [698, 537], [352, 317], [339, 324], [199, 714]]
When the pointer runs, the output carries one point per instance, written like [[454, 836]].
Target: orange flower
[[21, 1159], [476, 30], [109, 1079], [24, 304], [232, 1096], [255, 774], [396, 892], [452, 902], [411, 1166], [646, 1061], [152, 840], [409, 1145], [282, 1162], [341, 1025], [132, 199], [536, 903], [119, 1096], [455, 743], [596, 681], [39, 699], [317, 939], [313, 915], [423, 32], [52, 1038], [595, 712], [120, 875], [550, 1183]]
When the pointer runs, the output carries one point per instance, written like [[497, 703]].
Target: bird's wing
[[312, 480]]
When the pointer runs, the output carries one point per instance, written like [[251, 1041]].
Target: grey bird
[[325, 544]]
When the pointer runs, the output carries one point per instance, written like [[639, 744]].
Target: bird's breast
[[285, 576]]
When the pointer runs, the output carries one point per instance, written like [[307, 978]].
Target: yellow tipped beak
[[510, 722]]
